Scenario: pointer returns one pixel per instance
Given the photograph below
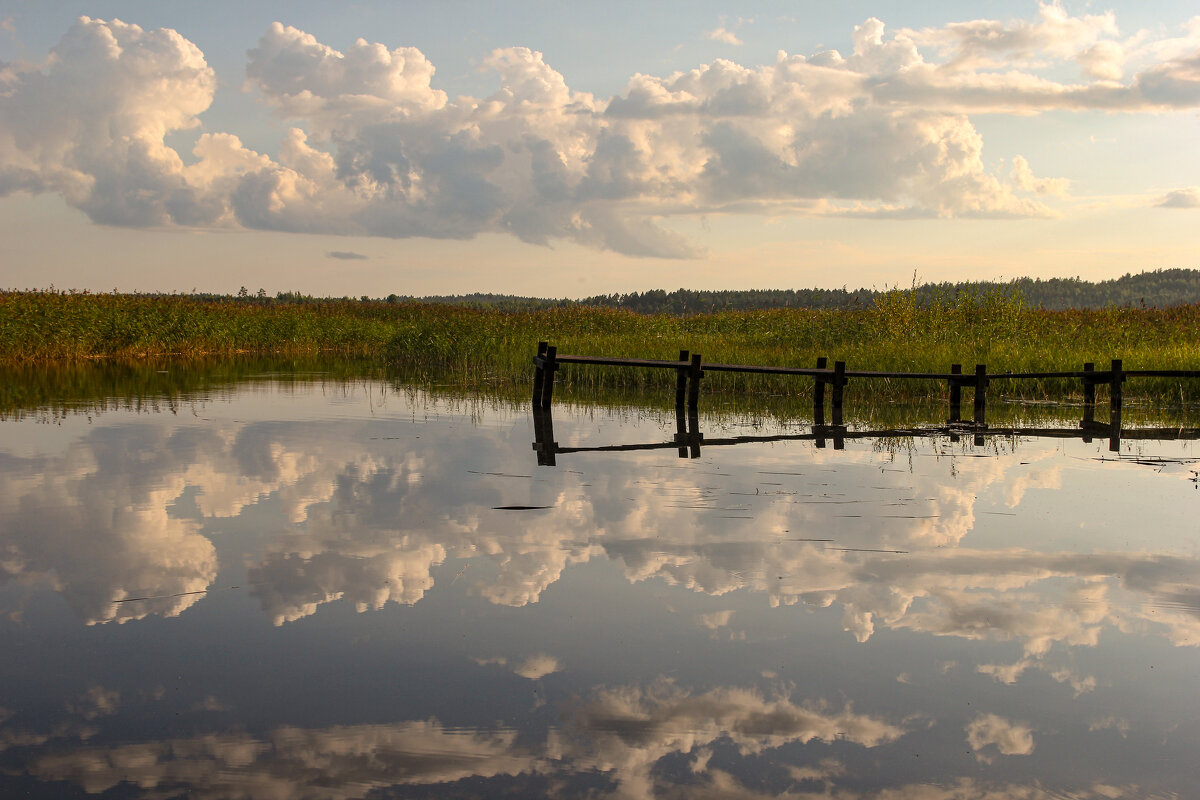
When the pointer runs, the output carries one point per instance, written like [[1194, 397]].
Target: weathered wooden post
[[549, 367], [1089, 399], [694, 376], [681, 376], [839, 383], [819, 397], [819, 404], [1116, 377], [981, 383], [955, 394], [539, 374]]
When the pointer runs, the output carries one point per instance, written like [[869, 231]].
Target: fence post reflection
[[1116, 377], [688, 438], [543, 436], [687, 433]]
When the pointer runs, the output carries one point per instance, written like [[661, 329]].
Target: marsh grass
[[54, 391], [476, 349]]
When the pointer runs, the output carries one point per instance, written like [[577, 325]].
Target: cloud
[[291, 586], [299, 77], [1010, 673], [627, 730], [119, 490], [991, 731], [1103, 60], [533, 668], [1117, 724], [1181, 198], [90, 125], [537, 666], [716, 619], [986, 43], [356, 520], [373, 148], [622, 732], [346, 255], [1023, 178], [343, 761], [95, 702], [105, 539], [723, 35]]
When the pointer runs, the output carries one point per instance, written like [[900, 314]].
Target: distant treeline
[[1162, 288]]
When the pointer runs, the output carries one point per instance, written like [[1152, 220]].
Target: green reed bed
[[52, 392], [472, 348]]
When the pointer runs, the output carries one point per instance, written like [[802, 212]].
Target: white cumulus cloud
[[374, 148]]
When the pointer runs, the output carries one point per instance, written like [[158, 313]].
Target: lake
[[298, 587]]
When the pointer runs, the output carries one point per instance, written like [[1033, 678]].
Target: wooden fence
[[690, 369]]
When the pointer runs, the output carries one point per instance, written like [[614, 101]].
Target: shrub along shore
[[481, 348]]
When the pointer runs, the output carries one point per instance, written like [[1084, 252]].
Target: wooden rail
[[690, 370]]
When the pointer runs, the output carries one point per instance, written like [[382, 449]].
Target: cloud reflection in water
[[384, 512]]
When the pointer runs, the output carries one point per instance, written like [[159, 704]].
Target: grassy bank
[[488, 348]]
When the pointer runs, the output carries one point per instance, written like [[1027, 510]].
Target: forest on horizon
[[1162, 288]]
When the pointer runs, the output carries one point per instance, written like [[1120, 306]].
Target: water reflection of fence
[[689, 370], [688, 439]]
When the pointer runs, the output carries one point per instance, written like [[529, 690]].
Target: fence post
[[550, 367], [539, 374], [981, 383], [839, 382], [1089, 398], [819, 396], [694, 375], [819, 403], [681, 378], [955, 394], [1116, 377], [1089, 385]]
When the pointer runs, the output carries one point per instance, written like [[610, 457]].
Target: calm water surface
[[338, 591]]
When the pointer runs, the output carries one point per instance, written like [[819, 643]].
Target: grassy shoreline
[[482, 348]]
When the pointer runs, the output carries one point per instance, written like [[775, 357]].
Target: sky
[[568, 149]]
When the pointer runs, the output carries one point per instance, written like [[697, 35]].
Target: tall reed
[[492, 348]]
